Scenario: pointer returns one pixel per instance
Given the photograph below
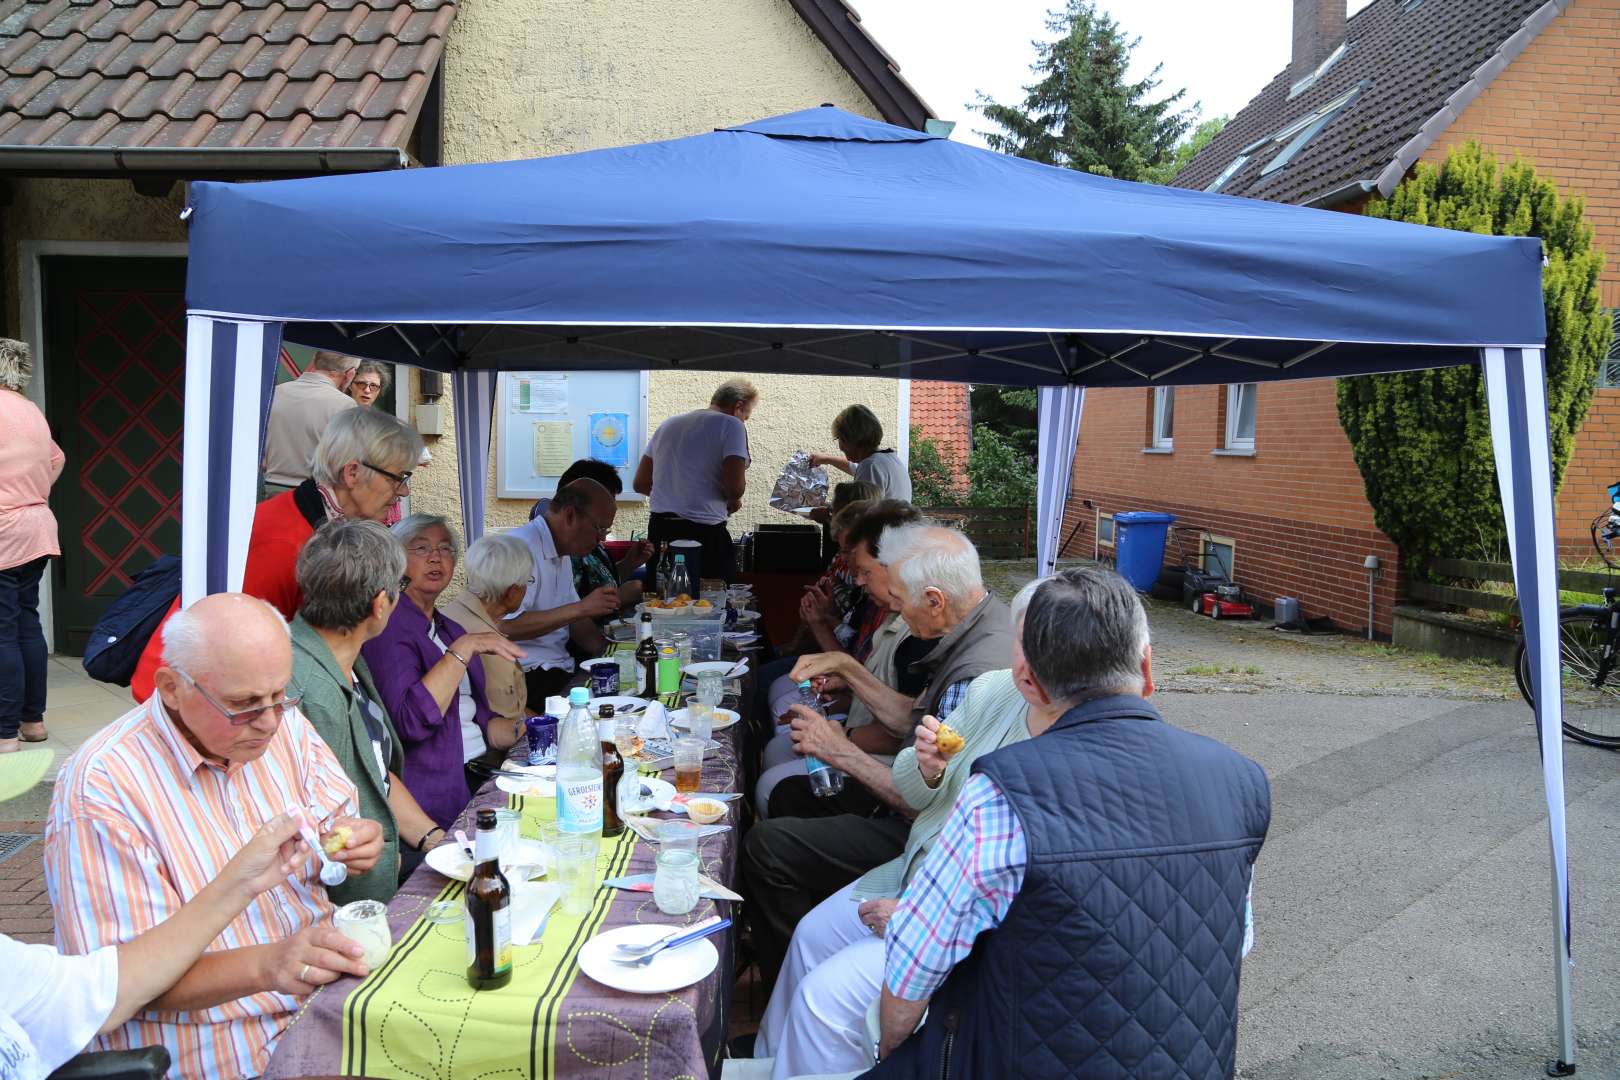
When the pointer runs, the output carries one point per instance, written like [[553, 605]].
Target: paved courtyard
[[1402, 898]]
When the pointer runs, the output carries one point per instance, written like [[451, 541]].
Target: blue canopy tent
[[822, 242]]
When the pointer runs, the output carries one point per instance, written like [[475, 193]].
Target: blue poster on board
[[610, 438]]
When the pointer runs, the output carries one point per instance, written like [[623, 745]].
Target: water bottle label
[[579, 804]]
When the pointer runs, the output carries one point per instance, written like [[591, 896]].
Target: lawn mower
[[1224, 601]]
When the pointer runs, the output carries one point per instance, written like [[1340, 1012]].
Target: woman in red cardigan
[[362, 467]]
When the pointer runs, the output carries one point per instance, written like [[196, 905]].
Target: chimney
[[1318, 30]]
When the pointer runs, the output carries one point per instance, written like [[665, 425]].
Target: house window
[[1608, 374], [1164, 417], [1240, 416], [1219, 552], [1105, 530], [1228, 172], [1321, 69]]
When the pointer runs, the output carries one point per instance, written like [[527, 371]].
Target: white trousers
[[816, 1019]]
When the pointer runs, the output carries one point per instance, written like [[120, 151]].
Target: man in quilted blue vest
[[1083, 911]]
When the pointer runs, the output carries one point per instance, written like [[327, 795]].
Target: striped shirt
[[963, 888], [140, 822]]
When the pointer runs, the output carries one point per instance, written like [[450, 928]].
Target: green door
[[114, 358]]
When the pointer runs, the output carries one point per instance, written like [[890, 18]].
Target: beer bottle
[[647, 658], [489, 913], [612, 773]]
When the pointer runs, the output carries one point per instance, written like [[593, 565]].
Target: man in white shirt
[[695, 471], [299, 413], [553, 613]]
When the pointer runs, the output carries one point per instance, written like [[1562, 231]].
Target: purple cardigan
[[398, 658]]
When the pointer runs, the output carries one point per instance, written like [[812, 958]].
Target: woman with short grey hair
[[859, 434], [362, 466], [30, 462], [370, 380], [430, 673], [500, 570], [351, 573]]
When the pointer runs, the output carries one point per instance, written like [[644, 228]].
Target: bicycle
[[1589, 651]]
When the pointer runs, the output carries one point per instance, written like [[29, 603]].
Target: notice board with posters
[[545, 420]]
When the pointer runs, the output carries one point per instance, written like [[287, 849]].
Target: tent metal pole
[[1565, 1063]]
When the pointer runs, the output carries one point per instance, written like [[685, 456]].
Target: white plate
[[451, 859], [620, 630], [543, 786], [723, 718], [702, 667], [740, 637], [745, 615], [671, 969]]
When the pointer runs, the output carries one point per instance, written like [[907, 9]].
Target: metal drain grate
[[13, 842]]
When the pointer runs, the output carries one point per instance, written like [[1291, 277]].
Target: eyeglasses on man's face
[[402, 480], [243, 717]]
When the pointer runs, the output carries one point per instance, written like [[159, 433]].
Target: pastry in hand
[[338, 838], [948, 741]]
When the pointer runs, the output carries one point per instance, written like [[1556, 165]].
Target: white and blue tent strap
[[474, 398], [1516, 389], [230, 375], [1058, 418]]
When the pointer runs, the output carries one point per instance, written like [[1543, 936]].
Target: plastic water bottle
[[666, 564], [579, 769], [824, 779], [680, 581]]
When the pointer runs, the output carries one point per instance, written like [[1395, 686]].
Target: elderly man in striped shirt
[[147, 813]]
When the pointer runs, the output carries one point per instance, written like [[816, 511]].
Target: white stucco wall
[[537, 77]]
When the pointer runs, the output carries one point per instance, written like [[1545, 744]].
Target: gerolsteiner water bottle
[[824, 779]]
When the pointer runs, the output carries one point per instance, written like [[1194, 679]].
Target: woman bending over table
[[430, 676]]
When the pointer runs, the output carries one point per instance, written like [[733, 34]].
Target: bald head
[[225, 630]]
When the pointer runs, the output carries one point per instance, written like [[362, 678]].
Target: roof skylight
[[1321, 69], [1303, 130], [1228, 172]]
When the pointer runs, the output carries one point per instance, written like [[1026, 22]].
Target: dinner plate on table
[[723, 718], [740, 637], [672, 969], [543, 786], [453, 862], [703, 667]]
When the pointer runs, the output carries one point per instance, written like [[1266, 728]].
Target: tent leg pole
[[1564, 1065]]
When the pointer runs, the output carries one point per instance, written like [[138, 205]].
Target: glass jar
[[675, 881]]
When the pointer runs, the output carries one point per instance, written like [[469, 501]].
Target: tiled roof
[[1421, 64], [839, 27], [316, 74]]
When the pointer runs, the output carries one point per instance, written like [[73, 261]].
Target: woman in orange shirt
[[30, 462]]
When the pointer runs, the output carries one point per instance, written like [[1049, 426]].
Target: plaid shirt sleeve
[[963, 888], [952, 697]]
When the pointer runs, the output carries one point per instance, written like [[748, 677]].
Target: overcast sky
[[1221, 51]]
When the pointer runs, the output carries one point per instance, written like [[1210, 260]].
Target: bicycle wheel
[[1591, 714]]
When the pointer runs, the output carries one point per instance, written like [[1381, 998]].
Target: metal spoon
[[641, 949], [702, 931]]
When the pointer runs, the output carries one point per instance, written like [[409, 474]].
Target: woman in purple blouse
[[428, 673]]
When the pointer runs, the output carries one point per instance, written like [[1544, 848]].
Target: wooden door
[[114, 354]]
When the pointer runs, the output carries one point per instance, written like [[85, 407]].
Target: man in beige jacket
[[299, 413]]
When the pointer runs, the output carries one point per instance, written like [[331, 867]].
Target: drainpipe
[[1370, 563]]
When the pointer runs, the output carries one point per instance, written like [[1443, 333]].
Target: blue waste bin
[[1139, 546]]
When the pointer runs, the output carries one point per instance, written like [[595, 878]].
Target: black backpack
[[119, 638]]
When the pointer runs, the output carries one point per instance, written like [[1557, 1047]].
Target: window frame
[[1109, 542], [1209, 540], [1234, 400], [1158, 438]]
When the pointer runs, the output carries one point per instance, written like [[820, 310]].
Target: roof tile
[[1414, 61], [216, 72]]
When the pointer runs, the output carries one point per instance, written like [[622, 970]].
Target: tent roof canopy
[[824, 242]]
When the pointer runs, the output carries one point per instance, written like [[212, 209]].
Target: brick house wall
[[940, 410], [1297, 508]]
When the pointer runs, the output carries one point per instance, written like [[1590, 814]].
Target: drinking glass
[[675, 881], [576, 872], [365, 922], [629, 670], [699, 719], [689, 763], [507, 825], [678, 834]]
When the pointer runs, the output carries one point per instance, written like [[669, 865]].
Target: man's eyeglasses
[[243, 717], [425, 551], [400, 479]]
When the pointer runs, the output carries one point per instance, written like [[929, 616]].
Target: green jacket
[[331, 706]]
